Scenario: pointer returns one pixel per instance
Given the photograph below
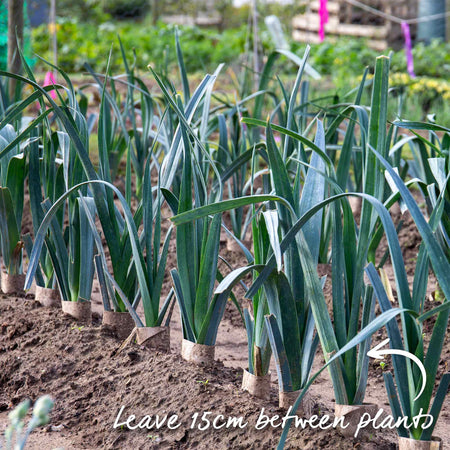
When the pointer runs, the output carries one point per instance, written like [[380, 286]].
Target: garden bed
[[42, 351]]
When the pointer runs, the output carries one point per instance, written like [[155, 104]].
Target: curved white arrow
[[378, 354]]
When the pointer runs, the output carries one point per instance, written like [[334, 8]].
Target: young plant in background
[[431, 165], [349, 290], [233, 154], [46, 182], [229, 150]]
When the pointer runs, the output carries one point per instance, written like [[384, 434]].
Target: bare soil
[[43, 351]]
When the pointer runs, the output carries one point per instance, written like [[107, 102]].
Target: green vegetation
[[199, 154], [340, 64]]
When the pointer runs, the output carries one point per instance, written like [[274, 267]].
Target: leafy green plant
[[71, 248], [153, 265], [72, 257], [114, 136], [13, 171], [46, 183], [258, 340], [431, 165], [404, 398], [291, 324], [197, 258], [85, 42]]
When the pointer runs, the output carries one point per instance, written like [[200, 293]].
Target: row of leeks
[[302, 217]]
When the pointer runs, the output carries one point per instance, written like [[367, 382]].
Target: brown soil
[[44, 352]]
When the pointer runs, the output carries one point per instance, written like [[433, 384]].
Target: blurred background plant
[[16, 435], [80, 41]]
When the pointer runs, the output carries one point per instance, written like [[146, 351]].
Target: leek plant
[[13, 172], [110, 287], [71, 248], [74, 143], [229, 150], [73, 260], [198, 229], [407, 398], [71, 251], [349, 291], [132, 287], [431, 165], [153, 263], [197, 241], [259, 350], [291, 324], [124, 291], [291, 312], [233, 154], [333, 354], [197, 257]]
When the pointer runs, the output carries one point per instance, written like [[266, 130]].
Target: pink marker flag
[[408, 49], [50, 80], [323, 17]]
